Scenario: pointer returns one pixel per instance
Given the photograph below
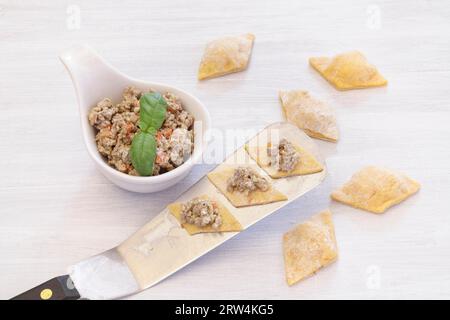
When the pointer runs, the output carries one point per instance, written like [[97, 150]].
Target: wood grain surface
[[57, 209]]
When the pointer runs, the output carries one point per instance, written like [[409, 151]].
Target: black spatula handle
[[59, 288]]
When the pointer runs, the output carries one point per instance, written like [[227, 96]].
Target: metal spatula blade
[[162, 246]]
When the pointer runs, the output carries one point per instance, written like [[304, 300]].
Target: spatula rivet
[[46, 294]]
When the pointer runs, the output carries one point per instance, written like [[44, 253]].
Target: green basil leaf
[[153, 109], [143, 153]]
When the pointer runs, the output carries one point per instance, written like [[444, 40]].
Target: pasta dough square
[[311, 115], [229, 222], [226, 55], [375, 189], [349, 70], [219, 178], [306, 165], [309, 247]]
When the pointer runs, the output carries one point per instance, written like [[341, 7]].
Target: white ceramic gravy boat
[[95, 79]]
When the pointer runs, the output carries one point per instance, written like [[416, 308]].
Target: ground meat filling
[[201, 212], [246, 180], [117, 124], [283, 156]]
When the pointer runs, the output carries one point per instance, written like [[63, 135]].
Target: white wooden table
[[56, 209]]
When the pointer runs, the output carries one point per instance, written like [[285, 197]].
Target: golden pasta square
[[349, 70], [306, 164], [229, 222], [220, 178], [226, 55], [309, 247], [376, 189], [313, 116]]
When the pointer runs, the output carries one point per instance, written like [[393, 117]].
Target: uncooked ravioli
[[226, 55], [313, 116], [376, 189], [309, 247], [349, 70]]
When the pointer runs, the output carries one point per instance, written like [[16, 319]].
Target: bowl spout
[[91, 75]]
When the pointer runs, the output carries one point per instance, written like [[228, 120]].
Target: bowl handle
[[91, 74]]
